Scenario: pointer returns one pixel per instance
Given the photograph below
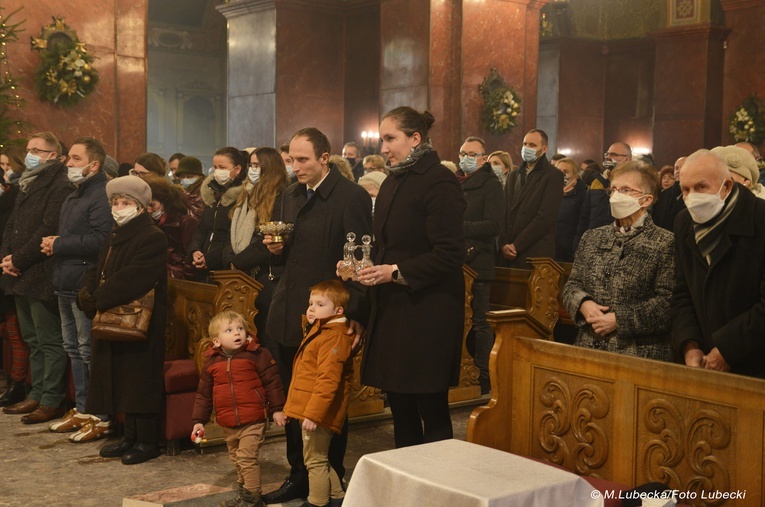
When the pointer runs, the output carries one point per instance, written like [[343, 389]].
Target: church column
[[688, 82]]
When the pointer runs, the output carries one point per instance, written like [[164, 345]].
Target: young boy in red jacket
[[320, 387], [240, 380]]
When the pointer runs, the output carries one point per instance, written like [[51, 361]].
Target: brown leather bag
[[124, 323]]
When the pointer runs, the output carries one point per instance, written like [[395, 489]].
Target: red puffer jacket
[[242, 387]]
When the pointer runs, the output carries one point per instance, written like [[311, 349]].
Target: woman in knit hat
[[127, 377], [742, 166]]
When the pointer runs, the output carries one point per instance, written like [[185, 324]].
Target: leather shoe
[[140, 453], [286, 492], [22, 407], [116, 450], [14, 394], [43, 414]]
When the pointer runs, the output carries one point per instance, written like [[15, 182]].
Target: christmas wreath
[[747, 122], [66, 74], [502, 104]]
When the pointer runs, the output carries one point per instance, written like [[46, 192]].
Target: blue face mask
[[529, 154], [468, 164], [31, 161], [497, 170]]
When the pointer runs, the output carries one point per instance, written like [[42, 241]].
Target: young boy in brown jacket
[[320, 387], [240, 379]]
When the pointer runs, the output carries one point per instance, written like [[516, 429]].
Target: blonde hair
[[343, 166], [223, 318], [572, 164]]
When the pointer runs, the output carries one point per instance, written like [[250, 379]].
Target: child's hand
[[309, 425], [280, 419], [197, 432]]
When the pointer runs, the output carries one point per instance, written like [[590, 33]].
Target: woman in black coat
[[415, 333], [127, 376], [574, 192]]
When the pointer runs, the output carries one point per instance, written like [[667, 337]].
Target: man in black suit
[[533, 194], [324, 207]]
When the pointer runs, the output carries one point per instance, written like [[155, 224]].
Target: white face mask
[[75, 174], [124, 215], [156, 215], [222, 176], [290, 172], [623, 205], [529, 154], [704, 207], [253, 174], [187, 182], [497, 170]]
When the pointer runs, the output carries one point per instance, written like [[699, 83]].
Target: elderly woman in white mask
[[621, 282]]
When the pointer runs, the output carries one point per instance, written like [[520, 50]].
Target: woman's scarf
[[413, 157], [243, 222]]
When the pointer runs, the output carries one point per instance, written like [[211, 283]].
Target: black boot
[[147, 440], [126, 442], [289, 490], [14, 394]]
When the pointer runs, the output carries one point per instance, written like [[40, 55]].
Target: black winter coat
[[35, 216], [723, 304], [86, 220], [7, 200], [415, 333], [483, 216], [596, 208], [127, 376], [312, 251], [669, 205], [531, 212], [214, 230], [568, 220]]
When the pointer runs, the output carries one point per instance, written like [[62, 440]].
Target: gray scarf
[[413, 157], [28, 176]]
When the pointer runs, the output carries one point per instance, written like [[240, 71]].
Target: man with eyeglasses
[[596, 211], [484, 213], [533, 194], [27, 275]]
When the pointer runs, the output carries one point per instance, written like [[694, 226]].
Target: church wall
[[115, 33]]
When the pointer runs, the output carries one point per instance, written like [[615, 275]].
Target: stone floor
[[40, 468]]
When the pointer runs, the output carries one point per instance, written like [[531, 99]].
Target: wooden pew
[[622, 418]]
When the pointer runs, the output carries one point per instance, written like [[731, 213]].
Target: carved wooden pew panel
[[622, 418]]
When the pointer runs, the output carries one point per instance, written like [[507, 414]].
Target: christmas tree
[[10, 102]]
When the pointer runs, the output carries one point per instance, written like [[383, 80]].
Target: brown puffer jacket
[[242, 387], [321, 375]]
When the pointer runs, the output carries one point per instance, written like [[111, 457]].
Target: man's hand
[[46, 246], [309, 425], [280, 419], [509, 252], [274, 248], [694, 356], [714, 361], [198, 259], [8, 267], [357, 331]]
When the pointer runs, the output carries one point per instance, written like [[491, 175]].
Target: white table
[[453, 473]]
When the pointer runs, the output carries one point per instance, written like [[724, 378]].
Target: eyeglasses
[[471, 154], [37, 151], [133, 172], [623, 190], [254, 165], [611, 154]]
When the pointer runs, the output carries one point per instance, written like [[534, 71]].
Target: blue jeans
[[484, 336], [75, 328]]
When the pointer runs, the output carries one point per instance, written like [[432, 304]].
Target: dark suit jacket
[[669, 205], [723, 304], [531, 212], [313, 249]]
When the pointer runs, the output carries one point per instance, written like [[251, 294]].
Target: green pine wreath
[[502, 105], [747, 123], [66, 74]]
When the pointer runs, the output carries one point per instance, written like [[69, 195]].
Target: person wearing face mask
[[501, 163], [266, 178], [484, 213], [284, 151], [670, 201], [27, 274], [574, 192], [532, 198], [351, 154], [170, 212], [127, 377], [596, 209], [621, 281], [86, 220], [219, 192], [718, 315], [190, 177]]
